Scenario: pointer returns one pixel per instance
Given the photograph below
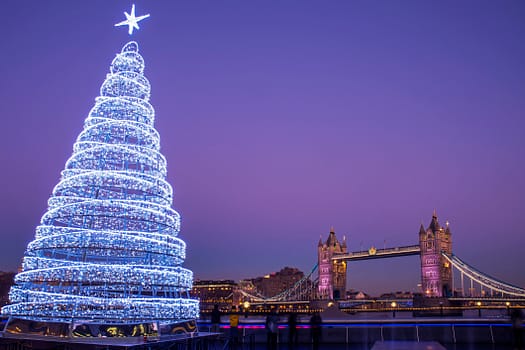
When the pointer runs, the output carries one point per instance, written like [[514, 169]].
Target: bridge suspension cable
[[301, 290], [304, 289], [483, 279]]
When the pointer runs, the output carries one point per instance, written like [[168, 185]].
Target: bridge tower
[[332, 274], [436, 272]]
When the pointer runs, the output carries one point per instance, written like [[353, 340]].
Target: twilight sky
[[281, 118]]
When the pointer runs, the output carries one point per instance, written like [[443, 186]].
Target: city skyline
[[279, 121]]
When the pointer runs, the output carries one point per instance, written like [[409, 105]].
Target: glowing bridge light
[[107, 248]]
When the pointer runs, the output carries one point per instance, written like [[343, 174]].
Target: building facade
[[436, 272], [332, 274], [6, 281], [209, 293], [277, 282]]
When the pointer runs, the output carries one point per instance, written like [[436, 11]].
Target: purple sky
[[281, 118]]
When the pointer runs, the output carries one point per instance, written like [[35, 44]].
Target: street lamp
[[479, 308], [507, 304], [393, 305], [246, 306]]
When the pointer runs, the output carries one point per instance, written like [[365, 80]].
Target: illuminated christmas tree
[[106, 249]]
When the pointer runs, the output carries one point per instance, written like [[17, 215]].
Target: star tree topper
[[131, 21]]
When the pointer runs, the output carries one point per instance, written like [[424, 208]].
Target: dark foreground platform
[[214, 341], [201, 340]]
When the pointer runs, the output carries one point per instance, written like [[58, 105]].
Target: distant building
[[397, 295], [357, 295], [332, 275], [211, 292], [436, 274], [277, 282], [6, 281]]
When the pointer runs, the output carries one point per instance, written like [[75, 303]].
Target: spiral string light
[[107, 248]]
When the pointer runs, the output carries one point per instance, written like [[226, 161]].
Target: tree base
[[87, 329]]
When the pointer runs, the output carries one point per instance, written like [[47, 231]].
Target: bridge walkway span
[[373, 253]]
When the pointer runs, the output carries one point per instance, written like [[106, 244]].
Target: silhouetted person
[[216, 319], [234, 328], [315, 329], [272, 327], [292, 328], [516, 318]]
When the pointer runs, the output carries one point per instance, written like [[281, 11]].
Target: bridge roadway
[[374, 253]]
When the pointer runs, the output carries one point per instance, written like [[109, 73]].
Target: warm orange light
[[393, 304]]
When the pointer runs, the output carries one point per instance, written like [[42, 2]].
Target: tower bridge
[[436, 270], [437, 266], [327, 279]]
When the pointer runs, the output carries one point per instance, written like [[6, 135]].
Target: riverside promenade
[[381, 331], [361, 331]]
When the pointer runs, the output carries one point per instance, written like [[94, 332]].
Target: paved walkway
[[407, 345], [371, 347]]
